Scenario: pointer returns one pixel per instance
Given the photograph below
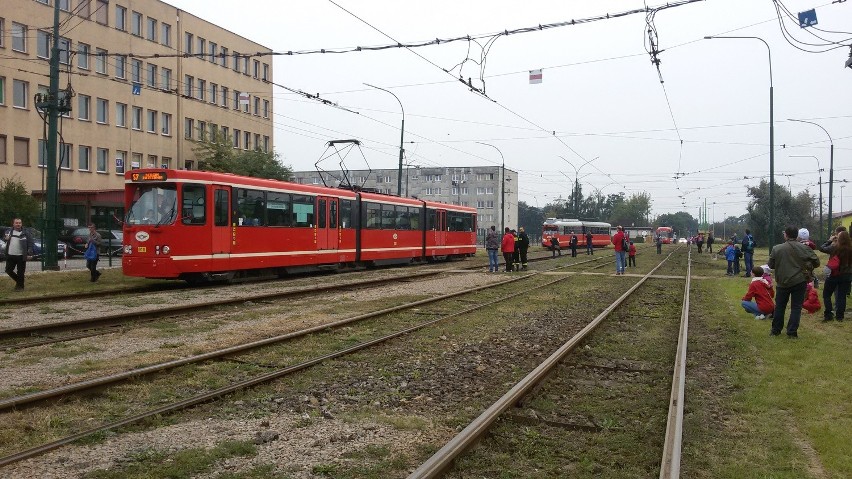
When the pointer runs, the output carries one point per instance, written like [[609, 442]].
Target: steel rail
[[670, 465], [441, 460], [38, 450]]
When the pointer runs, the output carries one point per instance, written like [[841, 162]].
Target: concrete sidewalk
[[73, 264]]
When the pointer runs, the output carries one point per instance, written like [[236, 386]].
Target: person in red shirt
[[631, 255], [811, 304], [508, 248], [762, 292], [618, 240]]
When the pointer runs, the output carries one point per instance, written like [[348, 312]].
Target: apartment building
[[144, 79], [476, 186]]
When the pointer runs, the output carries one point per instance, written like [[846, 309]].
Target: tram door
[[221, 222], [441, 234], [327, 218]]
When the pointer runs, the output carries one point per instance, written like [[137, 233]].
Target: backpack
[[749, 244], [625, 244]]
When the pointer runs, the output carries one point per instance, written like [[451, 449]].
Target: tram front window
[[153, 205]]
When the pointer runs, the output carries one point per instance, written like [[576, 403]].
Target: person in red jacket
[[508, 248], [618, 243], [762, 292], [811, 304], [631, 255]]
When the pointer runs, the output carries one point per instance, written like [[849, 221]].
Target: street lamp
[[401, 137], [830, 171], [457, 184], [502, 186], [770, 234], [820, 188], [598, 199], [577, 183]]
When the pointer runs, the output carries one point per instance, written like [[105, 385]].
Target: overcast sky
[[600, 97]]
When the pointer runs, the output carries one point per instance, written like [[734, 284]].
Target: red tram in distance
[[204, 226], [562, 229], [666, 234]]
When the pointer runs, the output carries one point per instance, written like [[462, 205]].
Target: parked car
[[77, 238], [38, 250]]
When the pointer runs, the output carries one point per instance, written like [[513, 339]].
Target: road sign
[[807, 18]]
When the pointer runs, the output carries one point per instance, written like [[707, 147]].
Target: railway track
[[521, 396], [461, 308]]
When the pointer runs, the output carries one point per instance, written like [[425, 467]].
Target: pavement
[[74, 264]]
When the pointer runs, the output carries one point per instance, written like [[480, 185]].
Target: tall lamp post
[[502, 186], [457, 184], [770, 233], [830, 172], [819, 170], [576, 204], [401, 137]]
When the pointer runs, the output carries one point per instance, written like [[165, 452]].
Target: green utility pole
[[51, 105]]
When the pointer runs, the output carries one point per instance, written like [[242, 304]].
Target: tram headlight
[[128, 249], [166, 250]]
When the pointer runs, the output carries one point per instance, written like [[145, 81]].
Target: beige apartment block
[[145, 77]]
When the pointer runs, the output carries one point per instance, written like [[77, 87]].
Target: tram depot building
[[141, 79]]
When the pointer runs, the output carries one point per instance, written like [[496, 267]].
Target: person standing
[[710, 241], [731, 256], [590, 248], [631, 255], [19, 249], [618, 243], [659, 241], [516, 256], [507, 245], [699, 240], [92, 252], [573, 244], [523, 245], [492, 244], [554, 246], [748, 252], [840, 278], [793, 263]]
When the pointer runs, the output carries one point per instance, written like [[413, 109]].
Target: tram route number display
[[149, 176]]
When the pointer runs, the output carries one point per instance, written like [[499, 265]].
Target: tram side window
[[372, 217], [459, 221], [250, 207], [388, 217], [194, 206], [431, 220], [303, 210], [414, 218], [279, 210], [332, 214], [220, 208], [346, 214]]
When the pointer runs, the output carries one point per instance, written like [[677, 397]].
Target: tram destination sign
[[149, 176]]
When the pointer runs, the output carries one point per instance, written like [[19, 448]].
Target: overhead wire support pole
[[830, 174], [51, 103], [502, 186], [770, 234], [401, 139]]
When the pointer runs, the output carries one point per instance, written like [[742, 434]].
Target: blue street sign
[[119, 163], [137, 89], [808, 18]]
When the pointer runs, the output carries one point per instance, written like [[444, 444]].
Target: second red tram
[[563, 229], [666, 234], [197, 225]]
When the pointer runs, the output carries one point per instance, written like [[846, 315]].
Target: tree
[[789, 210], [633, 211], [681, 222], [218, 154], [17, 202], [531, 218]]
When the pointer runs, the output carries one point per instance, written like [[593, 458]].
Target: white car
[[682, 240]]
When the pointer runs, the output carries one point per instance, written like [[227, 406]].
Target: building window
[[19, 37], [202, 47], [166, 34], [136, 71], [100, 61], [226, 133], [188, 127], [121, 67], [223, 58], [152, 29], [2, 35], [42, 44], [103, 155], [167, 79], [83, 9], [136, 118], [265, 144], [202, 130], [152, 121], [188, 165], [102, 114], [225, 97], [257, 141], [64, 51], [202, 89], [121, 115], [84, 105], [166, 162], [167, 124], [20, 93], [120, 159], [237, 136], [187, 43], [152, 161], [64, 5], [187, 85], [136, 24], [2, 149], [265, 72], [266, 108], [84, 158], [102, 12], [236, 99], [135, 161], [22, 151], [256, 71], [246, 140], [120, 17], [256, 106], [213, 51], [245, 65], [236, 64], [152, 75], [83, 52], [2, 90], [214, 93]]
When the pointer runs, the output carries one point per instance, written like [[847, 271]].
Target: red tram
[[198, 225], [666, 234], [563, 229]]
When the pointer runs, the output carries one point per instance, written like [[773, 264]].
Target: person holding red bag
[[839, 246]]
